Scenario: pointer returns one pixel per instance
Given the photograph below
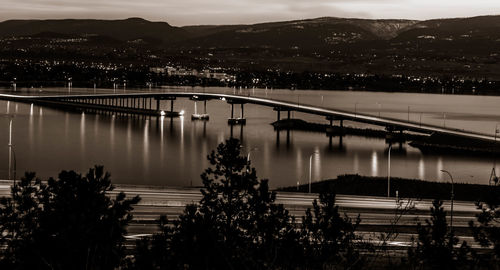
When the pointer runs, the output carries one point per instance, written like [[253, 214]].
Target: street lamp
[[15, 163], [493, 175], [496, 132], [12, 154], [452, 196], [389, 171], [310, 168], [70, 84]]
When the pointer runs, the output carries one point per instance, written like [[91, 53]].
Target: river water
[[172, 152]]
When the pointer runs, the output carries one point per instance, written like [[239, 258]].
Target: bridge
[[149, 104]]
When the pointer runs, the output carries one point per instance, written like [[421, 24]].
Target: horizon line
[[254, 23]]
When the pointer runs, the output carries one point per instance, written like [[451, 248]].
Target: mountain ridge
[[135, 27]]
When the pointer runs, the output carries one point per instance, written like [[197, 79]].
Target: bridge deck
[[282, 105]]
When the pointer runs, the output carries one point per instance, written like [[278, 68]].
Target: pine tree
[[68, 223]]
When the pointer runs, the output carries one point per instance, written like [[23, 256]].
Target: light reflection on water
[[172, 152], [439, 169], [421, 168], [374, 162]]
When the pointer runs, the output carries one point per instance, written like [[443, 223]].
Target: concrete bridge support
[[117, 105], [237, 121], [169, 113], [200, 116]]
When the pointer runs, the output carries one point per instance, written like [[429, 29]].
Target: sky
[[193, 12]]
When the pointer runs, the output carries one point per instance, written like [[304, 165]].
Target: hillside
[[124, 30], [457, 47]]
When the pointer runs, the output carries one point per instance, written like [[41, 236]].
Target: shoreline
[[434, 143], [358, 185]]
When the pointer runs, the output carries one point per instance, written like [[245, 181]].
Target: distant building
[[158, 70], [206, 73]]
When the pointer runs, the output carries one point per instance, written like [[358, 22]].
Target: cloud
[[184, 12]]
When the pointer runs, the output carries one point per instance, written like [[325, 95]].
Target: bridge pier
[[196, 116], [330, 131], [237, 121], [278, 113], [169, 113]]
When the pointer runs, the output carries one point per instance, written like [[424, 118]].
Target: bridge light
[[162, 113], [181, 112]]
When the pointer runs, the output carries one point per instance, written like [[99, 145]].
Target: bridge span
[[144, 104]]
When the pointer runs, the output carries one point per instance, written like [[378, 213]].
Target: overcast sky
[[190, 12]]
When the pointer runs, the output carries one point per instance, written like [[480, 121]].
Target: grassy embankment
[[407, 188]]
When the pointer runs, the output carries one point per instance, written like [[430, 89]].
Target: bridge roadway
[[330, 113]]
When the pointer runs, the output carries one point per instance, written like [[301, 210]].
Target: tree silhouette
[[329, 237], [154, 252], [236, 224], [66, 223], [487, 232], [435, 244]]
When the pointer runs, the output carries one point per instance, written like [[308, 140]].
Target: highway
[[377, 213], [279, 104]]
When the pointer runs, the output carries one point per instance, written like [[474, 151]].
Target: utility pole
[[10, 148], [452, 196], [389, 172]]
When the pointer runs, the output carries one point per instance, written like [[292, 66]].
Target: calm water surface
[[172, 152]]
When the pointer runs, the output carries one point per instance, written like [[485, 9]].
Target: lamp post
[[493, 175], [496, 132], [389, 171], [12, 154], [310, 168], [10, 147], [452, 196], [70, 84], [15, 163]]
